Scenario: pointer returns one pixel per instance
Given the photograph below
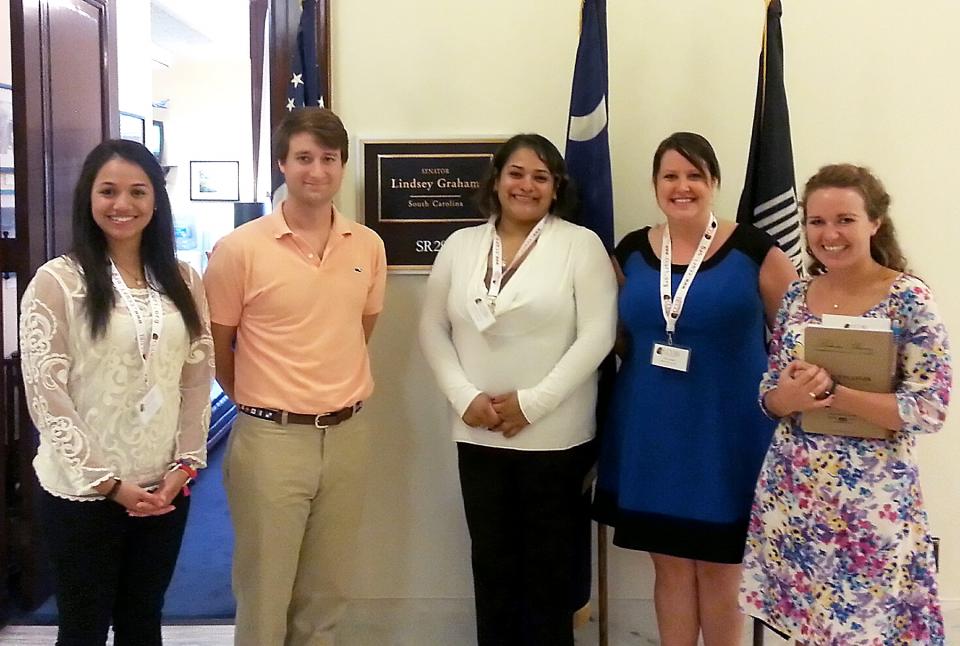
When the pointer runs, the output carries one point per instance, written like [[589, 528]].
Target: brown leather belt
[[282, 417]]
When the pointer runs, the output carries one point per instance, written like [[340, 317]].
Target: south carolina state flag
[[588, 144]]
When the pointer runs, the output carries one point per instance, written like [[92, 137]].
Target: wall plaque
[[416, 193]]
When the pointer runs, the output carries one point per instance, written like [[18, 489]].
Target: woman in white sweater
[[519, 313]]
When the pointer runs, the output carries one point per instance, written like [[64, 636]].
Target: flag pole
[[258, 18], [602, 599], [588, 164]]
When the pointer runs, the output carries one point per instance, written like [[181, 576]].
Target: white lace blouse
[[84, 394]]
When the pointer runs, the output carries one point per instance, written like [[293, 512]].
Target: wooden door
[[64, 103]]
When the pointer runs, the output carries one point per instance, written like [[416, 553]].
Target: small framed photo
[[215, 181], [132, 127], [155, 140]]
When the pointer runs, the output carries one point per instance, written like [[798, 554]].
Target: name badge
[[671, 357], [480, 313], [150, 404]]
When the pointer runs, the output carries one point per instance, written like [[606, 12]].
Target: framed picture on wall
[[215, 181], [132, 127], [155, 139]]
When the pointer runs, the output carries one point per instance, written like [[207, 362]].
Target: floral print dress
[[839, 550]]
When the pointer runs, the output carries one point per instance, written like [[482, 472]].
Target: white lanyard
[[146, 346], [673, 305], [497, 270]]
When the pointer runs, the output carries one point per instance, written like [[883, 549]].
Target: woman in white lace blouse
[[117, 364]]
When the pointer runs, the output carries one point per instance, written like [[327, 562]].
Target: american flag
[[307, 83]]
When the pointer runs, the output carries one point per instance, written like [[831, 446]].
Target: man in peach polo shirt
[[293, 300]]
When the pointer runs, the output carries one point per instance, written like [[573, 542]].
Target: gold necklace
[[137, 278]]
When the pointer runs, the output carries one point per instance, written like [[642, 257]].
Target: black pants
[[524, 509], [110, 568]]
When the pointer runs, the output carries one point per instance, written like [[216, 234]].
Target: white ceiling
[[201, 28]]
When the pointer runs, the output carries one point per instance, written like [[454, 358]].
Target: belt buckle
[[316, 422]]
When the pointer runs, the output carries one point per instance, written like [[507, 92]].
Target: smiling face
[[122, 201], [313, 172], [684, 192], [525, 188], [838, 228]]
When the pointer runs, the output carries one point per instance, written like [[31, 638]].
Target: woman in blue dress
[[685, 438]]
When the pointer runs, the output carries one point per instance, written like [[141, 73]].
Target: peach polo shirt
[[300, 344]]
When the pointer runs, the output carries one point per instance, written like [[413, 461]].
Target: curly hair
[[884, 247]]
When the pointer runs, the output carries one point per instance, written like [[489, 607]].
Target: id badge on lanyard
[[147, 341], [668, 355], [481, 309]]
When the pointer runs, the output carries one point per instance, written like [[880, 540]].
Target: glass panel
[[8, 310], [8, 227]]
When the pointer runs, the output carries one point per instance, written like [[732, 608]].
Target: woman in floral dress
[[839, 550]]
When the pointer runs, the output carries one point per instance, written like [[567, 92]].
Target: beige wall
[[868, 81], [134, 77], [207, 118]]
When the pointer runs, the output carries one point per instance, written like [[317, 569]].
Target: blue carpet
[[201, 583], [200, 589]]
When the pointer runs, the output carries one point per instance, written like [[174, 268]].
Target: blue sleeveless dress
[[680, 452]]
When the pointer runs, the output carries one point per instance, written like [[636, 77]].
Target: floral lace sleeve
[[195, 380], [924, 370], [46, 362]]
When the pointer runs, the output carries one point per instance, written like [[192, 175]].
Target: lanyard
[[146, 346], [673, 305], [497, 270]]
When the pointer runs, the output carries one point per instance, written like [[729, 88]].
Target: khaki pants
[[296, 495]]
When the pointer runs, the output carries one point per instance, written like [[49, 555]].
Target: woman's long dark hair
[[156, 244]]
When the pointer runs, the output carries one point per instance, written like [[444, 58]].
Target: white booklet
[[855, 322]]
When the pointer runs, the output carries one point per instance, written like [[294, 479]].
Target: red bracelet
[[189, 470], [191, 475]]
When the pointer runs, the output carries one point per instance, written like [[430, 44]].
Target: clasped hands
[[140, 502], [804, 386], [499, 414]]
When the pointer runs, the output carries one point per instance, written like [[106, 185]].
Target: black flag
[[769, 198]]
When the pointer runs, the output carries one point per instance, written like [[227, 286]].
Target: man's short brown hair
[[323, 124]]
